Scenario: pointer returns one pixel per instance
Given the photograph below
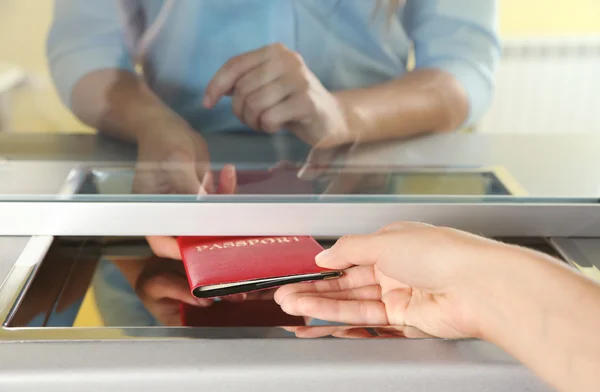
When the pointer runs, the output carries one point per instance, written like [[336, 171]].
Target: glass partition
[[354, 112], [303, 98]]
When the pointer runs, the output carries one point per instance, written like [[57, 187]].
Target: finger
[[264, 295], [353, 278], [208, 184], [206, 176], [414, 333], [172, 287], [348, 312], [317, 162], [353, 333], [164, 247], [368, 293], [266, 97], [315, 332], [182, 175], [228, 180], [294, 108], [168, 312], [263, 75], [370, 248], [226, 77]]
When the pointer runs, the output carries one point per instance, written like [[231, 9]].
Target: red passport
[[221, 266], [257, 313]]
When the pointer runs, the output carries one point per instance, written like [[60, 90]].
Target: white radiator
[[547, 85]]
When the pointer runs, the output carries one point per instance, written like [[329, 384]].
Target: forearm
[[545, 315], [422, 101], [131, 269], [118, 103]]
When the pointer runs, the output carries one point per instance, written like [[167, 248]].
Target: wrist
[[355, 122], [509, 292], [491, 288], [159, 122]]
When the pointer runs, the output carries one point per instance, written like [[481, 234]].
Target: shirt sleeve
[[85, 36], [461, 38]]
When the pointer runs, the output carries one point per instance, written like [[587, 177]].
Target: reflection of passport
[[259, 313], [221, 266], [279, 181]]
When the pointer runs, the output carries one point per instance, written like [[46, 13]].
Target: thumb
[[183, 175], [165, 247], [317, 162], [386, 248], [173, 287]]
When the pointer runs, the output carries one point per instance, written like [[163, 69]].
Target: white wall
[[547, 86]]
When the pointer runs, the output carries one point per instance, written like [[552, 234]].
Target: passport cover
[[258, 313], [221, 266]]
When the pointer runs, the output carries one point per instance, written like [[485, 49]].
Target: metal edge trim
[[21, 275], [332, 219]]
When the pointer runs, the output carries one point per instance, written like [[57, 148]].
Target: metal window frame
[[321, 216], [328, 217]]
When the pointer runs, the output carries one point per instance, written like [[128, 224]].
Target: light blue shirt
[[344, 42]]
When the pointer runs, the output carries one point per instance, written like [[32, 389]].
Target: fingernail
[[323, 256], [202, 191], [207, 101], [203, 303], [230, 171]]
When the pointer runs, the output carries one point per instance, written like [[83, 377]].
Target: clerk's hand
[[162, 286], [172, 159], [407, 274], [341, 174], [273, 89]]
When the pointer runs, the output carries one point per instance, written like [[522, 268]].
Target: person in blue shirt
[[163, 73]]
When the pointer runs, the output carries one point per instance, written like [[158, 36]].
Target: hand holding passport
[[224, 266], [221, 266]]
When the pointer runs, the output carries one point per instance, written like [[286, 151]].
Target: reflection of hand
[[167, 247], [172, 159], [406, 274], [162, 286], [334, 166], [273, 89], [348, 332]]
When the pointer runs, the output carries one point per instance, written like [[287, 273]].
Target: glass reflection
[[119, 282], [332, 75], [285, 178], [358, 332]]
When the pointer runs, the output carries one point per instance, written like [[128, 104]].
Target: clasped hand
[[273, 89]]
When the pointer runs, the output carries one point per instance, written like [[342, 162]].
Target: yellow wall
[[23, 26], [549, 17]]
